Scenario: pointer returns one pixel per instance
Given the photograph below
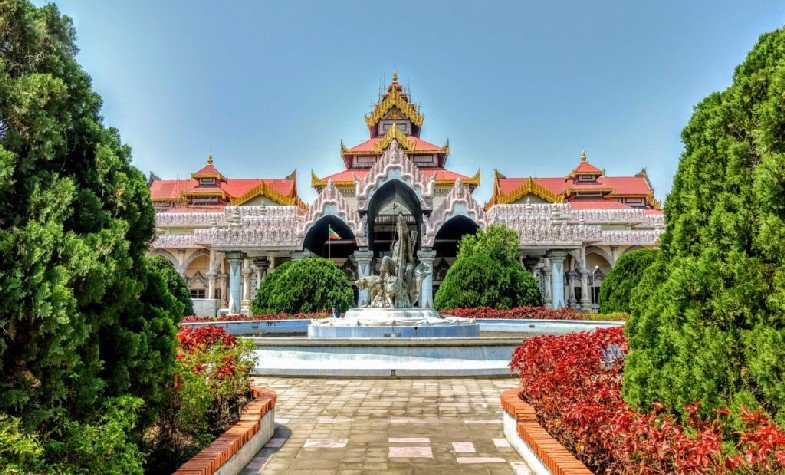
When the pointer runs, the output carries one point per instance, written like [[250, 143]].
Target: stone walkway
[[428, 426]]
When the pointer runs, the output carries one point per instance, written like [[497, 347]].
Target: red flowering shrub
[[574, 384], [211, 385], [518, 312]]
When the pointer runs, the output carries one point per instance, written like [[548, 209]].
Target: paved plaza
[[428, 426]]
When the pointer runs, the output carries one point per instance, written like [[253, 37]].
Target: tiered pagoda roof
[[585, 187], [208, 189], [395, 117]]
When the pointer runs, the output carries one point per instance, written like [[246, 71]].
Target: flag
[[331, 234]]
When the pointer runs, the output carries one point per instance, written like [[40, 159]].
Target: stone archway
[[388, 201], [317, 240]]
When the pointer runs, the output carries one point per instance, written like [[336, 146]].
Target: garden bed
[[232, 451], [573, 383]]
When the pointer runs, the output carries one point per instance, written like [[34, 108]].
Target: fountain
[[389, 311]]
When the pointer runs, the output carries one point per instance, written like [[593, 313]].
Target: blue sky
[[521, 87]]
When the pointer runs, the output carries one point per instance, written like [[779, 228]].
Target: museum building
[[224, 234]]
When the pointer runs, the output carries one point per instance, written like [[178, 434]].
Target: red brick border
[[552, 454], [210, 459]]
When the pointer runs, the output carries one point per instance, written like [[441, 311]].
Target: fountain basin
[[393, 323]]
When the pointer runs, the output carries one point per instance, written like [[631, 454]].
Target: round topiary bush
[[303, 286], [617, 289], [487, 274]]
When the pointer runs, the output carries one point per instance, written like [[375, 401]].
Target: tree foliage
[[304, 286], [487, 274], [175, 282], [710, 323], [618, 286], [83, 317]]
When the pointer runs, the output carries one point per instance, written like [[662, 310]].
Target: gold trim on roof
[[263, 189], [394, 98], [394, 134], [529, 186]]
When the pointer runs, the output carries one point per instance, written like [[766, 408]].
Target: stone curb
[[550, 454], [228, 445]]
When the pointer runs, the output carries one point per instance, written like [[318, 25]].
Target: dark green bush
[[175, 282], [709, 325], [84, 320], [303, 286], [487, 274], [618, 286]]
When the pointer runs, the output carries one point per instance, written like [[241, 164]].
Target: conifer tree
[[82, 315], [710, 323]]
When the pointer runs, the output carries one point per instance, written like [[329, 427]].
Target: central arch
[[390, 199]]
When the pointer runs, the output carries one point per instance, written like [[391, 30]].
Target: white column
[[548, 300], [211, 276], [245, 305], [427, 256], [261, 264], [363, 257], [571, 288], [235, 259], [557, 278]]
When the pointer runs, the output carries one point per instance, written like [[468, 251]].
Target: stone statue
[[400, 277]]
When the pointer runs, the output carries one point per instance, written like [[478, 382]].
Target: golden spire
[[395, 76], [210, 159], [583, 156]]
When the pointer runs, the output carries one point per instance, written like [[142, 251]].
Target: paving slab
[[387, 425]]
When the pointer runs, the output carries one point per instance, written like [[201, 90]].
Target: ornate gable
[[395, 98]]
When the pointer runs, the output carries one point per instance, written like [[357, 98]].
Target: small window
[[206, 181], [587, 178], [197, 293]]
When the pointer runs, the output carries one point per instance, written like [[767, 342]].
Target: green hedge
[[304, 286], [487, 274], [618, 287]]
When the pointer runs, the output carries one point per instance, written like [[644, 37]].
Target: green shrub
[[304, 286], [618, 287], [20, 452], [487, 274], [84, 320], [175, 282], [709, 325]]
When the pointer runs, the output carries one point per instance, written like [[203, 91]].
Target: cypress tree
[[618, 287], [83, 316], [710, 323]]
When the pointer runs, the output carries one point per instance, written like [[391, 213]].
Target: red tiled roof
[[654, 211], [622, 185], [170, 190], [208, 170], [352, 173], [586, 168], [420, 145], [192, 209]]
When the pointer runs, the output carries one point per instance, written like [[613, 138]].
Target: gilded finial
[[583, 156], [395, 76], [210, 159]]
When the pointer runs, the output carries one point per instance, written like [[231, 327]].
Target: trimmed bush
[[304, 286], [175, 282], [487, 274], [710, 323], [618, 287]]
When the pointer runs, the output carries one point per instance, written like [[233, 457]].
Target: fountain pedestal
[[393, 323]]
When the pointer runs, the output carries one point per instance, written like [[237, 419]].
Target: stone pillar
[[261, 264], [235, 259], [211, 276], [585, 295], [571, 289], [426, 256], [548, 300], [363, 257], [557, 278], [245, 305]]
